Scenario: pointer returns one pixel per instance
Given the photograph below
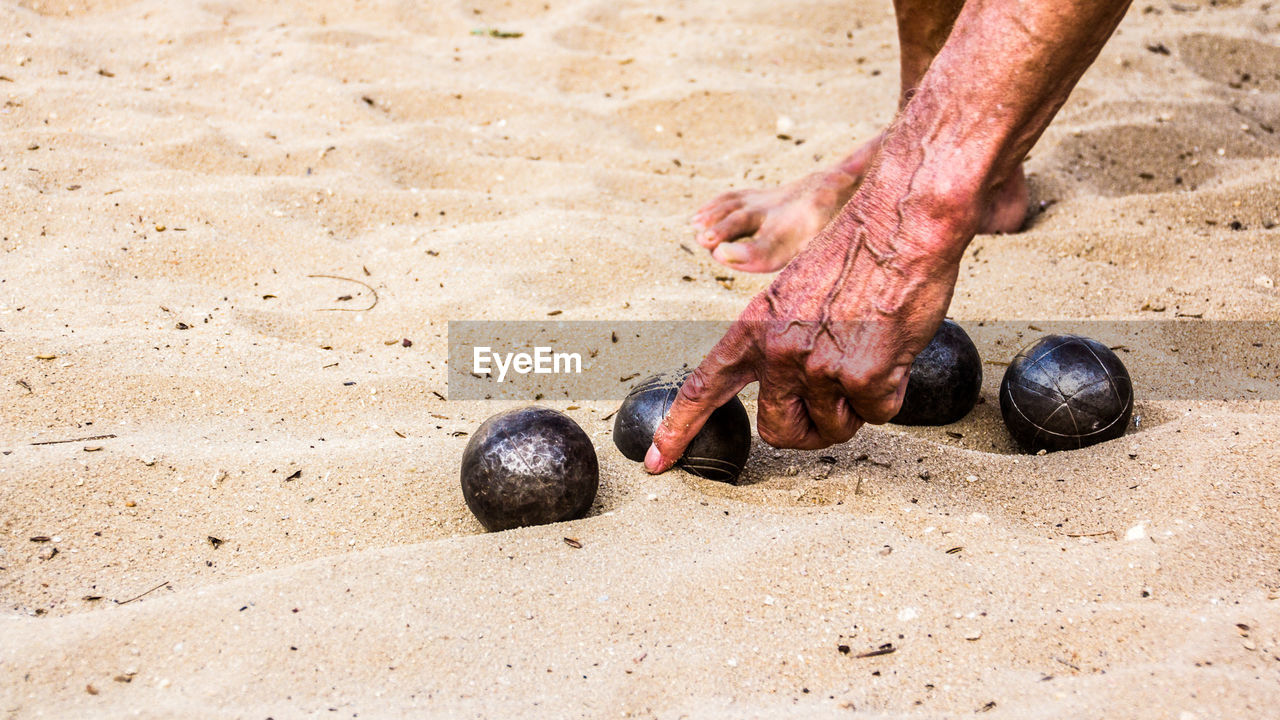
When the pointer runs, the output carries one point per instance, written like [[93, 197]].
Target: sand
[[272, 526]]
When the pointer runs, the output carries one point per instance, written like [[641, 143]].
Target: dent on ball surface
[[530, 466], [1066, 392], [718, 452], [945, 380]]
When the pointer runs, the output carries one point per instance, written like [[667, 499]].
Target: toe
[[716, 210], [737, 224], [749, 255]]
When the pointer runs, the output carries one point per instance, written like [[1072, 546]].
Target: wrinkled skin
[[831, 340], [762, 229]]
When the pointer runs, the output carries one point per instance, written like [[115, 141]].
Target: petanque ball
[[718, 452], [1065, 392], [945, 380], [530, 466]]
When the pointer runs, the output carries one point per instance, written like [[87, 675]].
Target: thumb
[[713, 383]]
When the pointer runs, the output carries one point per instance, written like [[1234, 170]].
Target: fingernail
[[653, 459]]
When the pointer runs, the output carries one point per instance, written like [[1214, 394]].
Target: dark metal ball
[[529, 466], [945, 381], [1065, 392], [718, 452]]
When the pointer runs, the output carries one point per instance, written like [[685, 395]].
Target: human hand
[[832, 339]]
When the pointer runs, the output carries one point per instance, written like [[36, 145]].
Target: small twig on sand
[[1064, 662], [358, 282], [81, 439], [1112, 533], [135, 597]]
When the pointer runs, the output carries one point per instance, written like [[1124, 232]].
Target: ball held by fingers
[[718, 450]]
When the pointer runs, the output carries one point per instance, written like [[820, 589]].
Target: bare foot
[[761, 230]]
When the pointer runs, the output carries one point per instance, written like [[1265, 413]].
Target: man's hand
[[832, 339]]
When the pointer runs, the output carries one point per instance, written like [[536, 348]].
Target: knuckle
[[821, 366], [873, 398], [880, 412], [836, 428], [870, 387], [779, 436], [770, 437], [878, 418], [856, 386], [844, 434], [814, 442], [696, 387]]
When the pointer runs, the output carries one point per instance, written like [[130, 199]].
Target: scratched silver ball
[[1065, 392], [718, 452], [945, 380], [530, 466]]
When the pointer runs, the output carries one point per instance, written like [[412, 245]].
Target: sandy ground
[[272, 526]]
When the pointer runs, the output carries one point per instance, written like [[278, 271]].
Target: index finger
[[713, 383]]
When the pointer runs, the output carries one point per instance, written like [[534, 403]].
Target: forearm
[[985, 100], [895, 247], [1012, 65]]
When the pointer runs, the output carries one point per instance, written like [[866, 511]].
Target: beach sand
[[268, 521]]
